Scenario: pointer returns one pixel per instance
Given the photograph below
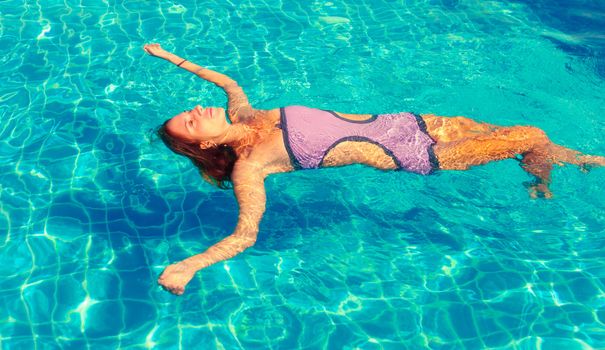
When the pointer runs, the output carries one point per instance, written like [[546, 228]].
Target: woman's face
[[199, 124]]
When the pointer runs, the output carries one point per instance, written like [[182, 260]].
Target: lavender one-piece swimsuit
[[309, 134]]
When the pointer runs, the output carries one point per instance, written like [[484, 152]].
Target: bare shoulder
[[271, 156], [269, 151], [266, 116], [248, 170]]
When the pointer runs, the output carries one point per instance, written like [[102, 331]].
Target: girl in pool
[[263, 142]]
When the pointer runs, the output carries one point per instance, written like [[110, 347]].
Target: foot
[[175, 277], [588, 162], [539, 191], [586, 168]]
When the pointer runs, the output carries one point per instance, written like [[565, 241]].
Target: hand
[[155, 50], [176, 276]]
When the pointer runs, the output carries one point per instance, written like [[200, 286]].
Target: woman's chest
[[270, 153]]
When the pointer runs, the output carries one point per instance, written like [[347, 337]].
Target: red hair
[[215, 163]]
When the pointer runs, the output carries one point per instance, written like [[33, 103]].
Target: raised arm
[[249, 188], [238, 106]]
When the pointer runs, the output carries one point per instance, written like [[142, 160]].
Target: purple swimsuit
[[309, 134]]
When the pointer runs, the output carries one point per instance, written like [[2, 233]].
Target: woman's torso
[[338, 137]]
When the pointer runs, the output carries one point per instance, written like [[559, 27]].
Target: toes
[[585, 168]]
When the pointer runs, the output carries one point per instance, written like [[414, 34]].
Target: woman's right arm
[[248, 185], [238, 106]]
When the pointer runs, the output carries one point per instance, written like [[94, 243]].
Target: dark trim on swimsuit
[[362, 139], [369, 120], [432, 157], [284, 128]]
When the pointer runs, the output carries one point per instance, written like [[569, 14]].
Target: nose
[[199, 109]]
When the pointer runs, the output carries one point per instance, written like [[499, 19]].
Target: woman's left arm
[[239, 107], [248, 185]]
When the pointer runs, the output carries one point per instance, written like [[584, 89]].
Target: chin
[[225, 116]]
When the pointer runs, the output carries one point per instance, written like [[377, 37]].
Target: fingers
[[176, 290], [174, 278], [150, 48]]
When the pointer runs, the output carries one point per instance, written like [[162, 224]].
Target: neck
[[237, 136]]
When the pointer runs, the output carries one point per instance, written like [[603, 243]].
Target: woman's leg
[[540, 160], [536, 162], [462, 143], [568, 155]]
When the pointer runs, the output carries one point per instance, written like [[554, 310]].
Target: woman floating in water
[[263, 142]]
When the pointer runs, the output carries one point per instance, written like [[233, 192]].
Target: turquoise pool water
[[92, 207]]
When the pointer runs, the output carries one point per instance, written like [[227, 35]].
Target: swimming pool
[[92, 207]]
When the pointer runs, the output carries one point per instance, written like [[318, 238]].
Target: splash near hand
[[175, 277]]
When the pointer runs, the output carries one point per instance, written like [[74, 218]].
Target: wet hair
[[215, 163]]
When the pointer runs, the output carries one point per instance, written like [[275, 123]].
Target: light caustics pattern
[[93, 206]]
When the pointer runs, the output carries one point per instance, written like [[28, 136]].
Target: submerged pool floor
[[93, 206]]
